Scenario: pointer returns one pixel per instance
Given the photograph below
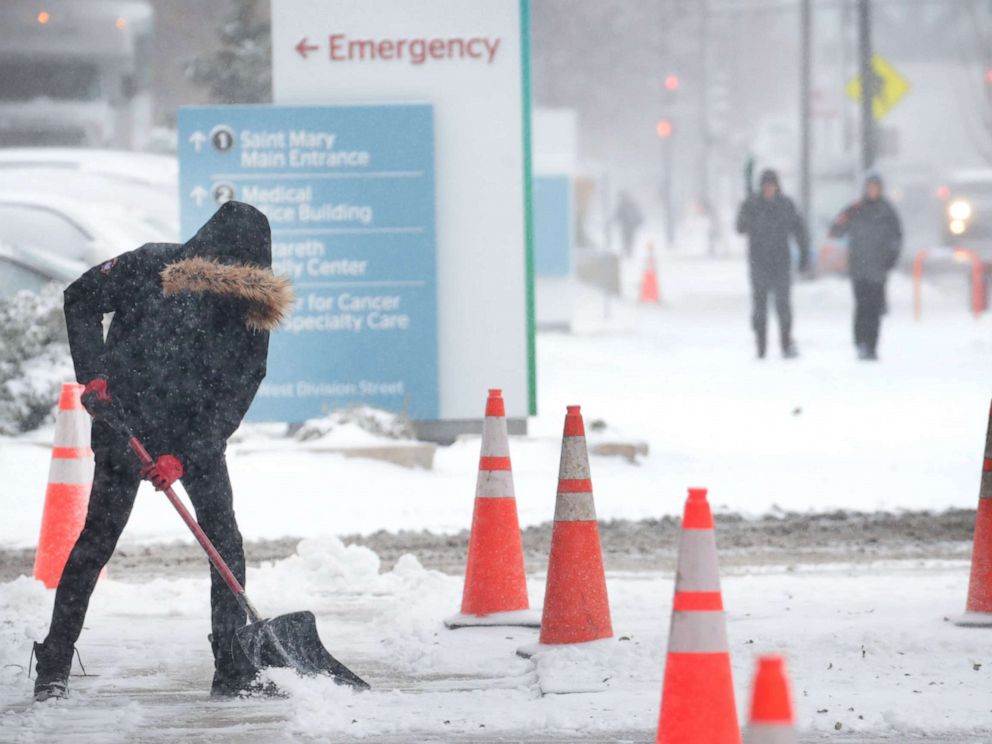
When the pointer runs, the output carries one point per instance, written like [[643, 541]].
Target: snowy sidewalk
[[821, 432], [869, 651]]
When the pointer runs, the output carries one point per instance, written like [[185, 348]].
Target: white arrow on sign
[[199, 194], [197, 139]]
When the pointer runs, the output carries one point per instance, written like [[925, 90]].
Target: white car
[[145, 185], [149, 168], [69, 229], [31, 270]]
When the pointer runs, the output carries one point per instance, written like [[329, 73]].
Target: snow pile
[[355, 424], [324, 568], [20, 623], [590, 667], [325, 564], [388, 628], [34, 358]]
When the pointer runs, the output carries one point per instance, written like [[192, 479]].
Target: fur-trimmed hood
[[269, 297]]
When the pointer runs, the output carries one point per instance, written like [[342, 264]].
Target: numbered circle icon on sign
[[222, 138], [223, 193]]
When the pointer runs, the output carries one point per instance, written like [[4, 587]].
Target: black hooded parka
[[187, 345], [184, 355]]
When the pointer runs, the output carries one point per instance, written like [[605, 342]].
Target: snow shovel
[[284, 641]]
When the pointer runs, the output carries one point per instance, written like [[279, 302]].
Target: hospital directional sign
[[890, 87], [349, 194]]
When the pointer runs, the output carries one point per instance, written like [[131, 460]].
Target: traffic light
[[672, 83], [664, 128], [988, 75]]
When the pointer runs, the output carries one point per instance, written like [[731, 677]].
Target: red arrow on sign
[[303, 47]]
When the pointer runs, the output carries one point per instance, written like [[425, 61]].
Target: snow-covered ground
[[868, 645], [818, 433]]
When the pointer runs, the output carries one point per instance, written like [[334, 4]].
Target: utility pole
[[704, 117], [665, 131], [869, 86], [806, 54]]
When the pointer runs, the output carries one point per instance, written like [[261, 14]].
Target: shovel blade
[[292, 641]]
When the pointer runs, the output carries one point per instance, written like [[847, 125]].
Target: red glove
[[96, 400], [165, 471]]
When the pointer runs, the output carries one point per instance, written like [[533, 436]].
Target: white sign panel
[[468, 59]]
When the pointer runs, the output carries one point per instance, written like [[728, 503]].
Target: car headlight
[[959, 209], [957, 227]]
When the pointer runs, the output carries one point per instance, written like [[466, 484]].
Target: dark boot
[[762, 344], [52, 673], [235, 676], [227, 685], [788, 346]]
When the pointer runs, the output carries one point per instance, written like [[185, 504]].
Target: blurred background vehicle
[[966, 211], [143, 184], [30, 270], [47, 230], [75, 73]]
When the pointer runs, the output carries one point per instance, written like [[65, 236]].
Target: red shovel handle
[[229, 578]]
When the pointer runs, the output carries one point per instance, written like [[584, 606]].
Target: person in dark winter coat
[[769, 219], [629, 216], [183, 358], [874, 242]]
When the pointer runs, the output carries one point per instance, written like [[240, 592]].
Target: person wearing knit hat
[[770, 219]]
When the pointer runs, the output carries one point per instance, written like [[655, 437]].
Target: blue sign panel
[[552, 225], [349, 193]]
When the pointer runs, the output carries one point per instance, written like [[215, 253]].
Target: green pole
[[528, 206]]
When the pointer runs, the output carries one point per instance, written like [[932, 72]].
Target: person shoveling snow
[[182, 361]]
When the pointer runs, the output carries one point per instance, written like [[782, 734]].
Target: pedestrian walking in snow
[[874, 241], [629, 217], [769, 219], [183, 358]]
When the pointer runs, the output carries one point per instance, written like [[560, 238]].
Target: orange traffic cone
[[495, 590], [978, 611], [772, 720], [70, 478], [697, 698], [576, 606], [649, 280]]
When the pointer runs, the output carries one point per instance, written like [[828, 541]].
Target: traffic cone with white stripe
[[576, 606], [772, 720], [697, 698], [978, 610], [70, 478], [495, 590]]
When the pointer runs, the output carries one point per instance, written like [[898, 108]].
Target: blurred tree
[[239, 70], [34, 358]]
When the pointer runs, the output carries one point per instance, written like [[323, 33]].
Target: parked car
[[141, 167], [143, 184], [76, 72], [32, 269], [70, 229]]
